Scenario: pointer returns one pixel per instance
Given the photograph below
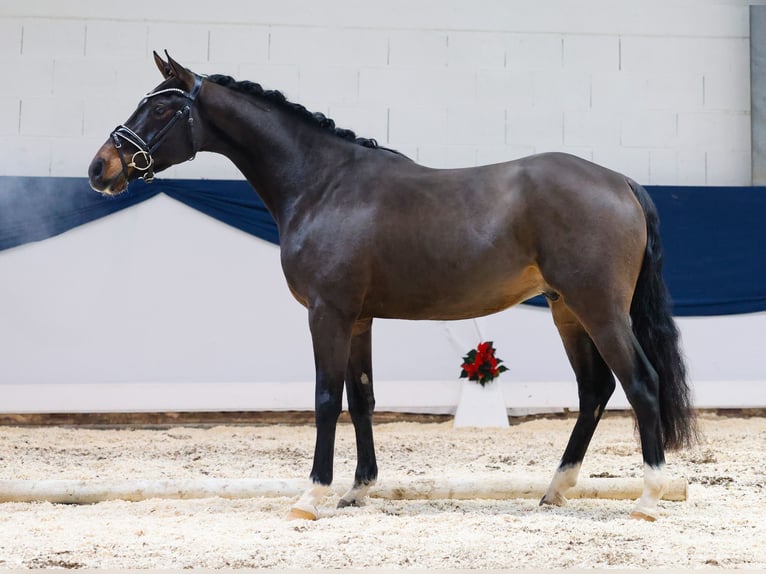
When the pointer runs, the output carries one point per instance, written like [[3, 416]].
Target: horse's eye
[[158, 110]]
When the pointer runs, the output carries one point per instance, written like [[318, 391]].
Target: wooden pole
[[495, 488]]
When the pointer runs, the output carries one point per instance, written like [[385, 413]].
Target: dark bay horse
[[365, 232]]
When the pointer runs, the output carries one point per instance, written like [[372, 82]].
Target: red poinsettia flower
[[481, 364]]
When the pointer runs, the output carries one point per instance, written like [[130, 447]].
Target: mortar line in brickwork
[[619, 53]]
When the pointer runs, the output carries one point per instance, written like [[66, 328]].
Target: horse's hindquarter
[[590, 230]]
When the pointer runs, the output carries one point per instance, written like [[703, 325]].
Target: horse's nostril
[[96, 168]]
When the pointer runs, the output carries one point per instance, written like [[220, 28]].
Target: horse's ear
[[162, 66], [177, 70]]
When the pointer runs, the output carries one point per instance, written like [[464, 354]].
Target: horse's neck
[[281, 156]]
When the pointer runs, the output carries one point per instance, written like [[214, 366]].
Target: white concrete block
[[10, 37], [727, 92], [476, 50], [533, 51], [365, 121], [9, 116], [538, 128], [692, 167], [324, 86], [102, 113], [417, 49], [419, 126], [135, 78], [592, 127], [239, 44], [285, 79], [663, 167], [625, 90], [477, 126], [184, 42], [53, 38], [510, 88], [70, 157], [31, 156], [120, 40], [447, 157], [673, 167], [31, 76], [328, 46], [408, 87], [566, 90], [650, 55], [51, 117], [633, 162], [591, 53], [714, 130], [727, 55], [728, 167], [84, 76], [649, 128]]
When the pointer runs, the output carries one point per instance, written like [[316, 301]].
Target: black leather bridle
[[147, 148]]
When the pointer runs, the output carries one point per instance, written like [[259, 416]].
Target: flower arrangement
[[481, 364]]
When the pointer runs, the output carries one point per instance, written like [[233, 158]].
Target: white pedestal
[[481, 406]]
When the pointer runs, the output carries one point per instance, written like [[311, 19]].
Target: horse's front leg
[[331, 335], [361, 404]]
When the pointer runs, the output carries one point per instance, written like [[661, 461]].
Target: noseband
[[147, 148]]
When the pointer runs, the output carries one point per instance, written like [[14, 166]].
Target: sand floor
[[722, 524]]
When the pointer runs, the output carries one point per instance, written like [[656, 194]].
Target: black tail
[[658, 335]]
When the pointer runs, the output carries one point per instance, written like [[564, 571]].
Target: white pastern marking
[[655, 485], [357, 494], [563, 480], [311, 497], [566, 478]]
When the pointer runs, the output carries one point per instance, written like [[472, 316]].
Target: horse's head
[[159, 134]]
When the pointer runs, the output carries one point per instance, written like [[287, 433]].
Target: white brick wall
[[658, 89]]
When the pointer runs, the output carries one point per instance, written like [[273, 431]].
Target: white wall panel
[[656, 89]]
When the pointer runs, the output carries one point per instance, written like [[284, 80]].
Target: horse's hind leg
[[595, 384], [361, 404], [621, 350], [612, 333]]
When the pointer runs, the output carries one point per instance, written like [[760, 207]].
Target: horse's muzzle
[[105, 173]]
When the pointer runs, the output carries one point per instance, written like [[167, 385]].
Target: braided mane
[[277, 97]]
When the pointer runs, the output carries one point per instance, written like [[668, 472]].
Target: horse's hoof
[[638, 515], [300, 514], [553, 500], [343, 503]]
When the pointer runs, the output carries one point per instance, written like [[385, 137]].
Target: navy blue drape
[[35, 208], [714, 237]]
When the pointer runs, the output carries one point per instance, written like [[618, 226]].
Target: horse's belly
[[453, 298]]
